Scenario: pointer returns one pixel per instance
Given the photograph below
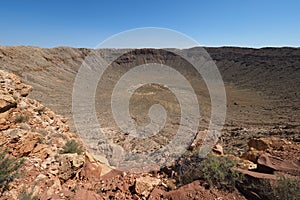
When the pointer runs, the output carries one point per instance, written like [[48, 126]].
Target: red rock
[[252, 155], [258, 174], [156, 194], [258, 144], [6, 103], [91, 171], [25, 91], [86, 194], [267, 162], [41, 151], [218, 149], [27, 144], [144, 185], [69, 165]]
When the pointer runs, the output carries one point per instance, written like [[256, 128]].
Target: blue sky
[[251, 23]]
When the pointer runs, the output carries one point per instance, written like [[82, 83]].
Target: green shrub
[[254, 188], [71, 147], [21, 118], [287, 189], [8, 170], [190, 176], [283, 189], [218, 171], [189, 168], [214, 170]]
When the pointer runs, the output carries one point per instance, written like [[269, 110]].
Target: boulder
[[25, 91], [56, 186], [246, 164], [7, 102], [252, 155], [144, 185], [69, 164], [41, 151], [218, 149], [91, 171], [257, 175], [268, 164], [260, 144], [26, 144]]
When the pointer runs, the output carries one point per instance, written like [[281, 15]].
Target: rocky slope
[[34, 133]]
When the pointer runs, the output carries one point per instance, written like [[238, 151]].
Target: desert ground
[[263, 108]]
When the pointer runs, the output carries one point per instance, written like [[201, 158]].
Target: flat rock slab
[[267, 161]]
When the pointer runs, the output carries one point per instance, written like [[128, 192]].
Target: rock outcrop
[[34, 133], [274, 154]]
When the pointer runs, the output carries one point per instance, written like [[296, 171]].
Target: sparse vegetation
[[8, 170], [219, 171], [74, 189], [287, 189], [71, 147], [216, 171], [15, 97], [21, 118], [58, 135], [42, 132], [189, 175], [282, 189], [24, 195]]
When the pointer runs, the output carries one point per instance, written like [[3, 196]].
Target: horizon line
[[202, 46]]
